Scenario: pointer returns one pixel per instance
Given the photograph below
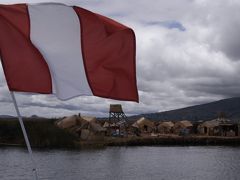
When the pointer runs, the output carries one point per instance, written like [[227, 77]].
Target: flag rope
[[34, 169]]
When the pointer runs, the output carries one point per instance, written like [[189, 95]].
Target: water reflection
[[122, 163]]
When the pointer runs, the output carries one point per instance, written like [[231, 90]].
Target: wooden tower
[[116, 114], [117, 119]]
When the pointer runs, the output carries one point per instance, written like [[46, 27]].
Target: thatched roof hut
[[209, 127], [75, 120], [96, 127], [184, 125], [106, 124], [92, 130], [210, 124], [84, 126], [219, 126], [68, 122], [144, 125], [214, 123], [89, 118], [165, 127]]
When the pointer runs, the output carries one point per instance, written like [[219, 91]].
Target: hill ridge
[[230, 107]]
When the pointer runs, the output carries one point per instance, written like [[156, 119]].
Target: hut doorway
[[145, 127], [205, 130]]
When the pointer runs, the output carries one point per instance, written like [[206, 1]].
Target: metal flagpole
[[25, 136]]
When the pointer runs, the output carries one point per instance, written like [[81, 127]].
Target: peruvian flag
[[66, 51]]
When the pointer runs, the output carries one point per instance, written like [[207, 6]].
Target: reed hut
[[91, 131], [111, 127], [182, 127], [144, 125], [209, 128], [106, 124], [68, 122], [88, 119], [165, 127], [86, 127], [218, 127]]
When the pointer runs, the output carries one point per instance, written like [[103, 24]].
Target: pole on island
[[34, 169]]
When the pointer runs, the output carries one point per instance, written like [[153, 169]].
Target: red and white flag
[[67, 51]]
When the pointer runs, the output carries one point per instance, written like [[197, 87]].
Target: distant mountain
[[33, 117], [228, 107], [6, 117]]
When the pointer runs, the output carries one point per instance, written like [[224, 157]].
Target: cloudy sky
[[188, 53]]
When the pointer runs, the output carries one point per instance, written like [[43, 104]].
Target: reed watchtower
[[116, 114]]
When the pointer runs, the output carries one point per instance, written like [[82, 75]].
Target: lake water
[[124, 163]]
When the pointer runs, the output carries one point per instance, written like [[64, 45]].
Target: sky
[[188, 53]]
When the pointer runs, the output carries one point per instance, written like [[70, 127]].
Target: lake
[[124, 163]]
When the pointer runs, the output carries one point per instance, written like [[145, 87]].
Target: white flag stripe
[[55, 31]]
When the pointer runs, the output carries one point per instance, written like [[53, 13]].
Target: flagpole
[[25, 136]]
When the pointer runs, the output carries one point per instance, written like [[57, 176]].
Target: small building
[[106, 124], [143, 125], [91, 131], [218, 127], [182, 127], [89, 118], [68, 122], [165, 127], [112, 128], [86, 127], [209, 128]]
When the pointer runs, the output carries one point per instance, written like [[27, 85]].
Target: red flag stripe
[[24, 67], [113, 75]]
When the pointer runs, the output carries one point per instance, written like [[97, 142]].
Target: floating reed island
[[84, 131]]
